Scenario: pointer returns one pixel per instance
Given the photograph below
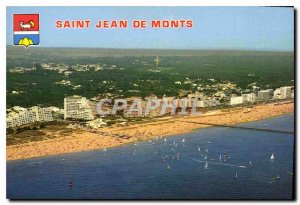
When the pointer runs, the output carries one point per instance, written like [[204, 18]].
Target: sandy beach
[[78, 140]]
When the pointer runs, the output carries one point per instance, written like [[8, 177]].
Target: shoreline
[[80, 141]]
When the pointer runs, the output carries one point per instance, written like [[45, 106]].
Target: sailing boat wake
[[223, 164]]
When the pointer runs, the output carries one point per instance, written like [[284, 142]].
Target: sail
[[206, 166], [272, 157], [250, 163]]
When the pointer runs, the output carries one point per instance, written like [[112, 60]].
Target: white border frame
[[5, 3]]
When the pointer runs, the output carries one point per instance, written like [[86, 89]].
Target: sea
[[210, 163]]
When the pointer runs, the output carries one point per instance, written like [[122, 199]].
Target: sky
[[232, 28]]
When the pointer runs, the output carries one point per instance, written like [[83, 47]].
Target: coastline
[[79, 141]]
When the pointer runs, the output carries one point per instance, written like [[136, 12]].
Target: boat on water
[[199, 149], [236, 175], [205, 157], [206, 165], [104, 149], [183, 140], [250, 164], [220, 158], [275, 179], [164, 158], [71, 184], [226, 155], [272, 157], [165, 139]]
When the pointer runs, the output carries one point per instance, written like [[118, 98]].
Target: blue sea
[[171, 169]]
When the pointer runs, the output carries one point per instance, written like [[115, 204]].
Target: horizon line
[[190, 49]]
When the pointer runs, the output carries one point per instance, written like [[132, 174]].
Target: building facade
[[77, 107], [283, 92], [264, 95], [236, 100], [24, 116], [249, 98]]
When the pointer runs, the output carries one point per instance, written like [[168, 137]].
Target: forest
[[134, 72]]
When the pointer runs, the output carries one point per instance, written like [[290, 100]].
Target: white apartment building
[[41, 114], [236, 100], [283, 92], [23, 116], [77, 107], [264, 95], [249, 98]]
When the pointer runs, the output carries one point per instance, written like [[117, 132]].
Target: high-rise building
[[236, 100], [24, 116], [283, 92], [249, 98], [264, 95], [77, 107], [41, 114]]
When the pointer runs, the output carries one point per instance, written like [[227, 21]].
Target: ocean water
[[169, 169]]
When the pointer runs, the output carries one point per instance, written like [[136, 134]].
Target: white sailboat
[[104, 149], [206, 166], [220, 158], [199, 149], [272, 157], [168, 167], [236, 175], [183, 140], [165, 139]]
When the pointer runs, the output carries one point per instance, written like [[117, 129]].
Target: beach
[[78, 140]]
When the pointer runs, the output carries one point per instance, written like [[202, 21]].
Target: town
[[80, 109], [69, 89]]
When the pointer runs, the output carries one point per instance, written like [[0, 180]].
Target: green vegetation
[[139, 76], [36, 132]]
